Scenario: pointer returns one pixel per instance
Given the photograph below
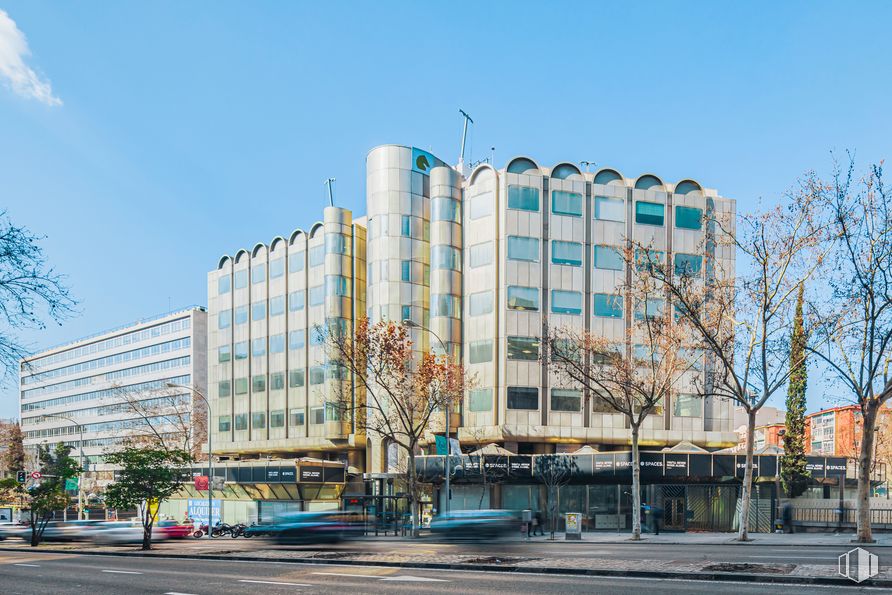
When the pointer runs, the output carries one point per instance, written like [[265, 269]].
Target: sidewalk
[[778, 539]]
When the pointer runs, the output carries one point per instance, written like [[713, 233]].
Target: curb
[[698, 576]]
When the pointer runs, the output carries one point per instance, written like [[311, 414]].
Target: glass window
[[258, 273], [405, 313], [688, 264], [523, 198], [296, 262], [443, 304], [223, 423], [296, 339], [569, 253], [296, 378], [566, 302], [444, 208], [296, 301], [609, 209], [241, 350], [564, 399], [645, 259], [317, 415], [277, 267], [296, 417], [688, 217], [523, 348], [523, 248], [481, 205], [241, 421], [224, 318], [317, 255], [523, 397], [566, 203], [241, 314], [277, 418], [241, 386], [406, 226], [224, 388], [480, 303], [258, 347], [317, 375], [277, 305], [277, 381], [649, 213], [258, 383], [480, 399], [608, 258], [480, 351], [523, 298], [224, 284], [258, 420], [277, 343], [445, 257], [258, 311], [653, 308], [336, 285], [688, 406], [335, 243], [224, 353], [241, 279], [406, 270], [481, 254], [317, 295], [608, 305]]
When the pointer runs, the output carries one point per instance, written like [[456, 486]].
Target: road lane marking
[[28, 565], [349, 574], [415, 579], [177, 593], [244, 580], [121, 572], [781, 558]]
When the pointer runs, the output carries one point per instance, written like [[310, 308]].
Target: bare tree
[[402, 390], [554, 471], [30, 292], [164, 418], [635, 376], [854, 317], [743, 320]]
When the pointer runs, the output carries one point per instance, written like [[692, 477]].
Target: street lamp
[[80, 487], [412, 324], [197, 393]]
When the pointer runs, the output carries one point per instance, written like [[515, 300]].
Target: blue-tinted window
[[688, 406], [224, 319], [317, 375], [258, 418], [241, 421], [276, 418], [688, 264], [566, 302], [241, 279], [335, 285], [480, 303], [653, 308], [277, 305], [277, 343], [565, 399], [566, 203], [317, 255], [523, 397], [241, 315], [317, 295], [276, 267], [481, 205], [688, 217], [523, 298], [480, 351], [523, 348], [406, 313], [608, 258], [444, 208], [224, 284], [241, 388], [335, 243], [480, 399], [296, 301], [610, 209], [296, 262], [241, 350], [481, 254], [646, 259], [523, 248], [258, 273], [296, 339], [406, 226], [523, 198], [258, 347], [224, 353], [568, 253], [296, 379], [406, 270], [444, 305], [258, 311], [608, 305], [649, 213], [445, 257]]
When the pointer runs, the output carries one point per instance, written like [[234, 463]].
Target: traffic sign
[[36, 475]]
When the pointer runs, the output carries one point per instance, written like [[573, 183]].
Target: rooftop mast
[[464, 137]]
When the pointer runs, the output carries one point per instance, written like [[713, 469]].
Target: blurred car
[[13, 530], [122, 532], [173, 530], [311, 527], [475, 524]]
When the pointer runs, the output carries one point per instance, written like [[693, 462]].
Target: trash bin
[[574, 526]]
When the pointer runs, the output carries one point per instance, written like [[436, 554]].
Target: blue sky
[[154, 137]]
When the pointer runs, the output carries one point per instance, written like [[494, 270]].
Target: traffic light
[[21, 476]]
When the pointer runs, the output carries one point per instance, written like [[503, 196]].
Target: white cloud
[[13, 70]]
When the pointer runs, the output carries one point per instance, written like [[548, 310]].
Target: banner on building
[[197, 509]]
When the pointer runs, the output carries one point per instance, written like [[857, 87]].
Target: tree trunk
[[747, 487], [636, 486], [413, 493], [865, 464], [147, 537]]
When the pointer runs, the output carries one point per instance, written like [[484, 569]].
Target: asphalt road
[[28, 573]]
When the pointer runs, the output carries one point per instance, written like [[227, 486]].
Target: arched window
[[562, 171], [606, 176], [522, 165], [686, 186], [647, 181]]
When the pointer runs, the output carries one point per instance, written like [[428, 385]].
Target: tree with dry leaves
[[635, 376], [742, 320], [854, 313], [402, 390]]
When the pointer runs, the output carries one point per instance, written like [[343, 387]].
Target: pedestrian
[[656, 515], [788, 517], [538, 524]]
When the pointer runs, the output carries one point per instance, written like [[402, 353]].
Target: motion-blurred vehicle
[[173, 530], [12, 530], [311, 527], [475, 524], [122, 532]]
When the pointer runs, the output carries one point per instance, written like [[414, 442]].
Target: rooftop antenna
[[587, 164], [464, 137], [328, 183]]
